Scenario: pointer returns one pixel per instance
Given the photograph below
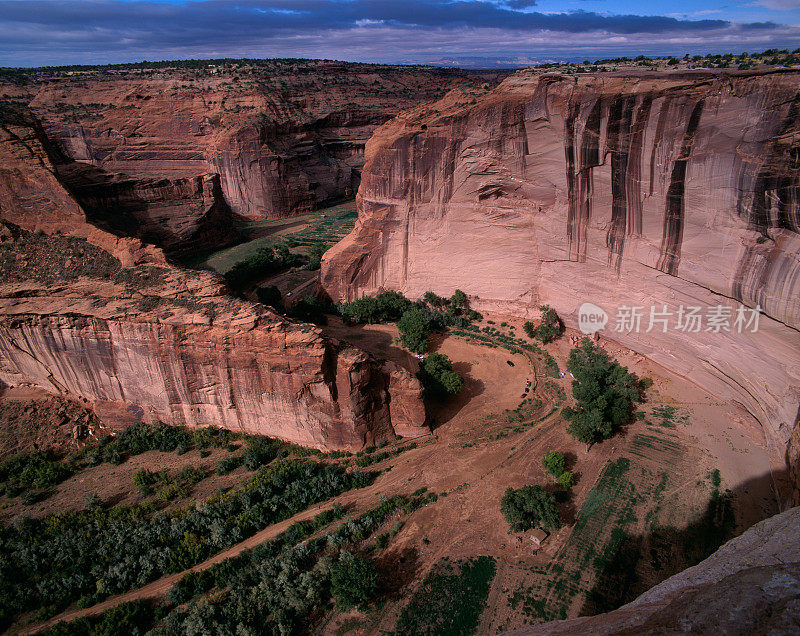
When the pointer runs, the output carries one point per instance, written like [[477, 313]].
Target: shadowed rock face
[[750, 585], [676, 189], [85, 313]]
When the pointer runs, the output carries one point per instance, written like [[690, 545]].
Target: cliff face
[[284, 136], [632, 190], [184, 216], [88, 314]]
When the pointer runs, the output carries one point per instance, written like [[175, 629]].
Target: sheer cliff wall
[[676, 189]]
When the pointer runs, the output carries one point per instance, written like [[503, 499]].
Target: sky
[[467, 33]]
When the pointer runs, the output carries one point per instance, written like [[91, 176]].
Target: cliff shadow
[[442, 411], [638, 562]]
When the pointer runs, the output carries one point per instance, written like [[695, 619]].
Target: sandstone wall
[[184, 216], [253, 374], [637, 190]]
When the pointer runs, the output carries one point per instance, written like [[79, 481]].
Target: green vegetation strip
[[450, 600], [84, 556]]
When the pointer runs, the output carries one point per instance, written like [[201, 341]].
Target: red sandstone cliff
[[619, 189], [89, 314]]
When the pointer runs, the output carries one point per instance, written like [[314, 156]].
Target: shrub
[[229, 464], [528, 507], [459, 299], [437, 376], [566, 479], [530, 329], [192, 474], [433, 300], [354, 580], [604, 392], [415, 327], [384, 307], [143, 480], [554, 462], [260, 450]]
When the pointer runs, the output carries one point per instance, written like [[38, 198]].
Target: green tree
[[528, 507], [604, 391], [554, 462], [354, 580], [437, 376], [459, 299], [566, 479], [415, 327], [549, 327]]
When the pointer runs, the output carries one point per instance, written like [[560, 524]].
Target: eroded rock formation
[[89, 314], [638, 190]]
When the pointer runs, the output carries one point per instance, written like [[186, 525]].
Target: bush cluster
[[385, 307], [555, 463], [278, 586], [604, 391], [266, 261], [548, 328], [437, 376], [59, 559], [141, 438], [528, 507], [35, 469]]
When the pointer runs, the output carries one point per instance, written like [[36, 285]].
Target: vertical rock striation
[[624, 190]]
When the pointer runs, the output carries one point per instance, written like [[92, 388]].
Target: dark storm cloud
[[53, 31]]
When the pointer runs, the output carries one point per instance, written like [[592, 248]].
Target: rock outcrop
[[89, 314], [662, 190], [750, 585]]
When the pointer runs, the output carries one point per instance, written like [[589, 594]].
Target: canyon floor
[[648, 512]]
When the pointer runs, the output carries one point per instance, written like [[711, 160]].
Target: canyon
[[626, 190], [107, 319], [172, 154]]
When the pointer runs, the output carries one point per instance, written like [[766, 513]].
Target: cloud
[[74, 31], [779, 5]]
